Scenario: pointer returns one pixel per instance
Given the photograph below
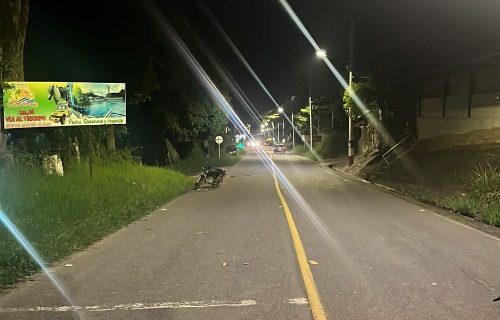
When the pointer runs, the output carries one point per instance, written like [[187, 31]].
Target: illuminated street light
[[350, 146], [321, 53], [262, 126], [280, 110]]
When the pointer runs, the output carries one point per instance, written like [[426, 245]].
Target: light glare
[[321, 53]]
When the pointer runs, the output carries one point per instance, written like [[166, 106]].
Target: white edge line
[[136, 306], [299, 301]]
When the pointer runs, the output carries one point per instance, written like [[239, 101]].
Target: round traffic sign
[[219, 139]]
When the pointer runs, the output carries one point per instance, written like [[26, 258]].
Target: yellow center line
[[317, 309]]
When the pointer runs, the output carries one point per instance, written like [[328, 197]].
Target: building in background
[[460, 98]]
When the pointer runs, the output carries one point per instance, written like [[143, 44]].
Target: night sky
[[393, 39]]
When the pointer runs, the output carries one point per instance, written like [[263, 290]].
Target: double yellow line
[[317, 309]]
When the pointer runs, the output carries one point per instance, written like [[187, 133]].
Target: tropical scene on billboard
[[55, 104]]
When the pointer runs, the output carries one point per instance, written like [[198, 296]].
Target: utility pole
[[274, 139], [331, 112], [279, 132], [310, 120], [350, 144], [319, 114], [283, 128], [293, 134]]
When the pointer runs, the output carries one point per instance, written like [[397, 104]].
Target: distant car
[[252, 145], [279, 148], [232, 150]]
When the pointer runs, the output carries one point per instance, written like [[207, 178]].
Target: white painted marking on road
[[299, 301], [136, 306], [385, 187]]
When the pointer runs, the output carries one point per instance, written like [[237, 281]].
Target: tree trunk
[[77, 149], [110, 139], [13, 22]]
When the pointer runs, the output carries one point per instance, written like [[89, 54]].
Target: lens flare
[[236, 51], [359, 103], [240, 56], [233, 86], [214, 92], [412, 168], [23, 242]]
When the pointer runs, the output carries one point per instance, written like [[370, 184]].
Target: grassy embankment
[[455, 172], [474, 193], [483, 199], [60, 215]]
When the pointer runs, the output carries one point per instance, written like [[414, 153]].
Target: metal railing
[[409, 136]]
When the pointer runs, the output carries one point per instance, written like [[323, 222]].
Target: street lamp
[[350, 145], [280, 110], [321, 53]]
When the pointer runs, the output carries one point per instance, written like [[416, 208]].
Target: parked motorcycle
[[212, 176]]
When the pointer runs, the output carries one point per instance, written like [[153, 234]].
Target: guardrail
[[384, 156]]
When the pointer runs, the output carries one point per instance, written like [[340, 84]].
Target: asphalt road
[[228, 254]]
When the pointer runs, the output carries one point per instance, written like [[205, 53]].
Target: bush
[[486, 185], [483, 200]]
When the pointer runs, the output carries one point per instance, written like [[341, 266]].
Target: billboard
[[61, 104]]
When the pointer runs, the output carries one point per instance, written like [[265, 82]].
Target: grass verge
[[60, 215], [480, 199], [482, 202]]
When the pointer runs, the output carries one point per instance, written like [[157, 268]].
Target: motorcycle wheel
[[197, 183]]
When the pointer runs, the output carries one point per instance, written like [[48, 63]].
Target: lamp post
[[278, 131], [280, 110], [311, 121], [350, 146], [284, 129]]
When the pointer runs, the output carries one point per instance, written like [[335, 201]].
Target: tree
[[13, 22], [302, 120], [206, 118], [369, 95]]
